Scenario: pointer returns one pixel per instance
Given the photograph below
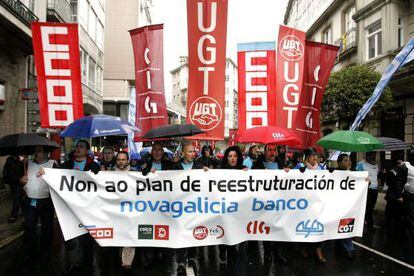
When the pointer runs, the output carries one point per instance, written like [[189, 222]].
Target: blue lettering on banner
[[280, 204], [178, 207]]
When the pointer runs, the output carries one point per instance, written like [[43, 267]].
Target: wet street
[[375, 255]]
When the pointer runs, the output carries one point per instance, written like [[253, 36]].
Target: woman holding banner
[[233, 160], [311, 163]]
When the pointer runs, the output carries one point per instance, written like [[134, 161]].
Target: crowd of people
[[31, 195]]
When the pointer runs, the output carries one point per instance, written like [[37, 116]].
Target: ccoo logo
[[291, 48], [254, 227]]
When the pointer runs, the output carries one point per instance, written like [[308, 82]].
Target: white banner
[[197, 208]]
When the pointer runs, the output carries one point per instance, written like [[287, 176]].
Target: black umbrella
[[24, 143], [392, 144], [170, 131]]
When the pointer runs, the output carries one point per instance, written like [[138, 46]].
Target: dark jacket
[[209, 162], [89, 166], [394, 190], [166, 165], [400, 181], [12, 171], [196, 165], [258, 164]]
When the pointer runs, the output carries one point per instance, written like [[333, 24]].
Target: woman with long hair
[[233, 160]]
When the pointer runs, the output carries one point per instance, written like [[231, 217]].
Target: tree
[[348, 90]]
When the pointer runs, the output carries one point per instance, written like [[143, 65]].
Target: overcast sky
[[248, 21]]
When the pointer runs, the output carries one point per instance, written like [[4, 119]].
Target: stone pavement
[[8, 231]]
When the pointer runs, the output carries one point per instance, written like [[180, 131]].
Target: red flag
[[290, 67], [151, 107], [232, 136], [257, 84], [319, 61], [56, 53], [207, 27]]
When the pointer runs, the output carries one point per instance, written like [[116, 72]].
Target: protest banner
[[198, 208]]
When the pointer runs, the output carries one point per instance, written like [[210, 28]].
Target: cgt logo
[[162, 232], [346, 225], [101, 233], [254, 227]]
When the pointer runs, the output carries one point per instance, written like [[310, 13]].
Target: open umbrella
[[392, 144], [171, 131], [270, 135], [24, 143], [97, 126], [348, 140]]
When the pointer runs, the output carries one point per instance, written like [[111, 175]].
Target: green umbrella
[[348, 140]]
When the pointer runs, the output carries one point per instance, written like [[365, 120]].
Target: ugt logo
[[291, 48], [254, 227], [206, 112]]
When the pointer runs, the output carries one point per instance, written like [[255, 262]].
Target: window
[[109, 109], [84, 65], [74, 10], [91, 73], [99, 78], [83, 13], [400, 32], [349, 22], [374, 40], [92, 24], [99, 35], [327, 36]]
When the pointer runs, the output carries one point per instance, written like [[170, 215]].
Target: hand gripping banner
[[151, 107], [197, 208], [290, 68], [56, 54], [257, 84], [207, 27], [319, 62]]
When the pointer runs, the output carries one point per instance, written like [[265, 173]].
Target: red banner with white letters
[[57, 60], [319, 61], [232, 137], [290, 68], [207, 30], [151, 107], [257, 84]]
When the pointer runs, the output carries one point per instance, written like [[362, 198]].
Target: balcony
[[349, 43], [58, 11], [20, 11]]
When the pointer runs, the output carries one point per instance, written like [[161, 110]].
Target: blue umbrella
[[148, 149], [97, 126]]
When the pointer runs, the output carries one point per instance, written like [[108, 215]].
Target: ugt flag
[[207, 30]]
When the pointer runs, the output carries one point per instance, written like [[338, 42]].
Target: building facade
[[180, 91], [372, 33]]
